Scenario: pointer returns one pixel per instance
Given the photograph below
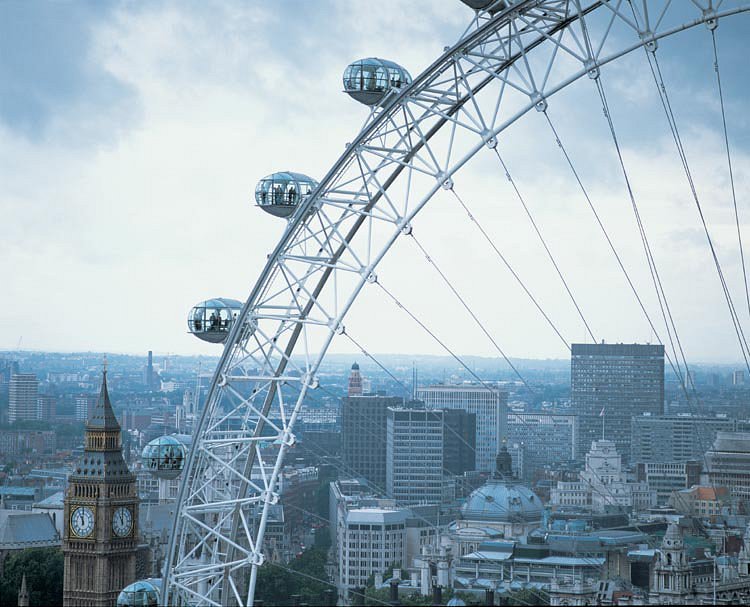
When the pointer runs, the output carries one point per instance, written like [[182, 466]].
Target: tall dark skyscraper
[[150, 371], [363, 436], [614, 382]]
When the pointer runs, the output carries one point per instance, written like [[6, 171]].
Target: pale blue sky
[[132, 135]]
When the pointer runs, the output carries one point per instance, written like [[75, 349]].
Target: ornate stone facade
[[101, 516]]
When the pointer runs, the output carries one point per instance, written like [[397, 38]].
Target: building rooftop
[[18, 491], [376, 515], [733, 442], [20, 530], [53, 501]]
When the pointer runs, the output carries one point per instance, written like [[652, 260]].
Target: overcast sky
[[132, 135]]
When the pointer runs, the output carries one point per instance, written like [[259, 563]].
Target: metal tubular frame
[[331, 247]]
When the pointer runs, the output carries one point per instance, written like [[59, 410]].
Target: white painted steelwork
[[505, 64]]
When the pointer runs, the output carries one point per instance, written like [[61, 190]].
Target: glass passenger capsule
[[142, 593], [211, 320], [164, 457], [280, 193], [370, 80], [495, 6]]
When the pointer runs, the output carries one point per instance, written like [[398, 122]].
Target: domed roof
[[355, 367], [502, 501]]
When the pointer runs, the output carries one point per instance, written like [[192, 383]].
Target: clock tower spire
[[101, 515]]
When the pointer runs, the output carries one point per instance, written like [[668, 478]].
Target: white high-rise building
[[372, 540], [489, 405], [23, 395]]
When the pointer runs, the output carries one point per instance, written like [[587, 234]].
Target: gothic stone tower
[[101, 516]]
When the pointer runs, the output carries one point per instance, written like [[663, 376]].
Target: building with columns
[[678, 580], [603, 485]]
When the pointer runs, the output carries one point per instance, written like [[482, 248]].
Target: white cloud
[[108, 246]]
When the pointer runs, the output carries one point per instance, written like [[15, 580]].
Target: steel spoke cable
[[461, 299], [669, 112], [729, 165], [443, 345], [745, 349], [661, 89], [502, 257], [649, 254], [661, 296], [544, 243], [659, 81], [608, 238]]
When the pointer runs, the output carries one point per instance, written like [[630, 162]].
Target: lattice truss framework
[[502, 67]]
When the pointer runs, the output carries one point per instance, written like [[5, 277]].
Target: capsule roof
[[370, 80], [211, 320], [280, 193]]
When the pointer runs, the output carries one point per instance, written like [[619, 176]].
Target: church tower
[[101, 515], [672, 574], [355, 382]]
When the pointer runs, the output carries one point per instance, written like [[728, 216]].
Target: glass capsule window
[[280, 193], [369, 80], [139, 594], [164, 457], [212, 319]]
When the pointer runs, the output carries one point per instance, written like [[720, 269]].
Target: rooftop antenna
[[414, 380], [104, 363]]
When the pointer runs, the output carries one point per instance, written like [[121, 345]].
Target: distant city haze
[[132, 137]]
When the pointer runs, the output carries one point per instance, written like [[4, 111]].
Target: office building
[[424, 450], [85, 404], [728, 465], [738, 378], [490, 406], [23, 397], [674, 438], [667, 477], [363, 436], [459, 442], [46, 407], [545, 440], [612, 383], [603, 485]]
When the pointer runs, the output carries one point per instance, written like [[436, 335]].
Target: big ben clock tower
[[101, 515]]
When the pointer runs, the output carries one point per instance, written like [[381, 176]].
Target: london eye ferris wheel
[[510, 61]]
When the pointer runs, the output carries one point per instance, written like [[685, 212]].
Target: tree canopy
[[306, 575], [43, 568]]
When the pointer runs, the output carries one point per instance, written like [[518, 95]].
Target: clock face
[[122, 522], [82, 521]]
